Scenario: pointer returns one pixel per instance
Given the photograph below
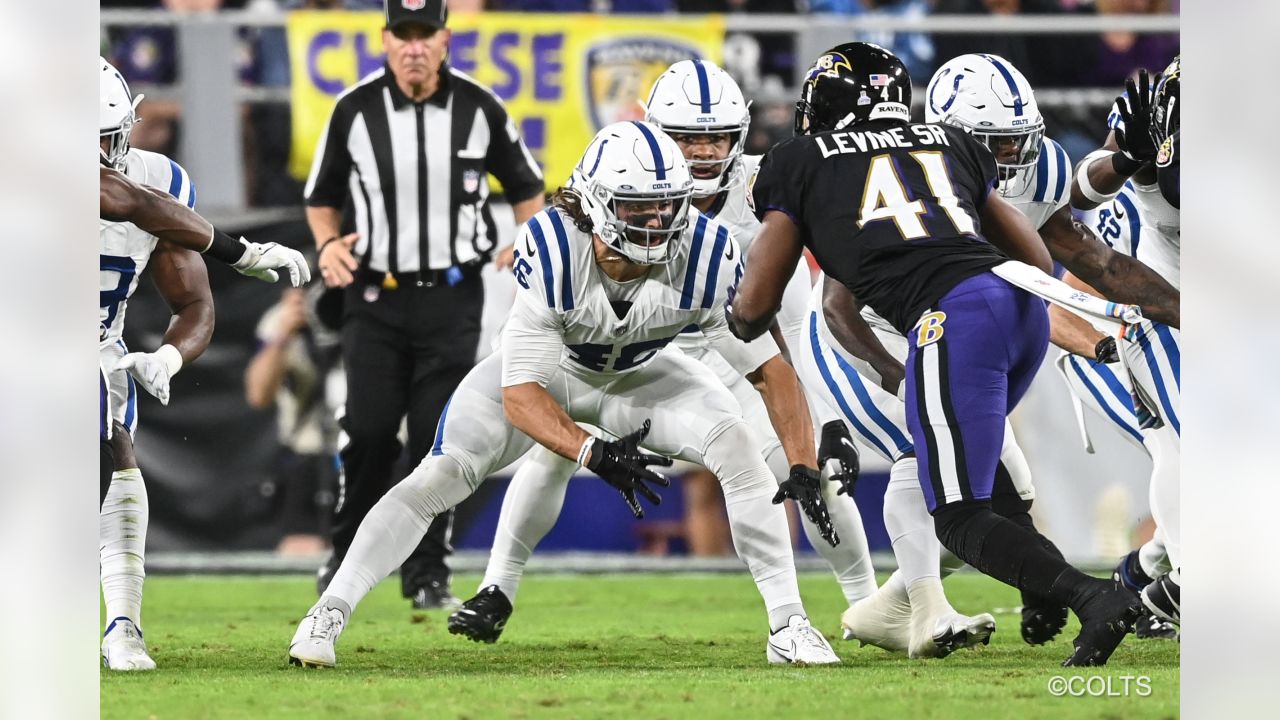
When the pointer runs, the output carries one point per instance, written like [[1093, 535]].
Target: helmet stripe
[[653, 147], [1013, 86], [704, 90]]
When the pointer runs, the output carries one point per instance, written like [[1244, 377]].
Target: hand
[[837, 444], [621, 464], [893, 380], [1106, 351], [337, 263], [153, 370], [1136, 140], [261, 259], [805, 487], [505, 258]]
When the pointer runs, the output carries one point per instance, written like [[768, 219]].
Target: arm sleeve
[[1168, 173], [331, 166], [509, 158], [777, 184]]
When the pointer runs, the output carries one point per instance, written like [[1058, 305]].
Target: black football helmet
[[1164, 102], [853, 83]]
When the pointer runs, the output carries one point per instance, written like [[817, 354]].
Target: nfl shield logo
[[413, 4], [620, 71], [470, 181]]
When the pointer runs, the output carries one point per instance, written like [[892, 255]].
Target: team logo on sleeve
[[929, 330], [621, 70], [470, 180], [1165, 156], [413, 4]]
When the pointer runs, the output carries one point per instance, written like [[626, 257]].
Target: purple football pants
[[971, 359]]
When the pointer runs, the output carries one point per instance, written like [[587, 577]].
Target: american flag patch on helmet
[[879, 80]]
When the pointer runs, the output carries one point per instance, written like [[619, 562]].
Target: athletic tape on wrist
[[225, 248], [1086, 188], [171, 358], [585, 450]]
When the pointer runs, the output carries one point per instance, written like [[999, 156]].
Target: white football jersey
[[125, 248], [564, 318], [1161, 243], [731, 206]]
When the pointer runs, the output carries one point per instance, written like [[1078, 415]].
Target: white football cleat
[[799, 642], [879, 620], [940, 636], [123, 647], [313, 643]]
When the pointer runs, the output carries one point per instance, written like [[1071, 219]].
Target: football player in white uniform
[[701, 108], [992, 100], [609, 276], [132, 182], [1144, 123], [179, 274]]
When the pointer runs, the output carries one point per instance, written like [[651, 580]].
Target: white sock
[[760, 533], [529, 511], [1152, 557], [122, 539], [395, 525], [910, 526], [1166, 495], [851, 559]]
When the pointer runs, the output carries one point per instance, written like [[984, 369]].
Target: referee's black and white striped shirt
[[416, 173]]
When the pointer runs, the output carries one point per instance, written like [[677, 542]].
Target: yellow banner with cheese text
[[561, 76]]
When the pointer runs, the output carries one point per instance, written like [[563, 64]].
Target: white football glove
[[260, 259], [153, 370]]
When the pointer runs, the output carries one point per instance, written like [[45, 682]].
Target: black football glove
[[1106, 351], [805, 487], [1135, 139], [621, 464], [836, 444]]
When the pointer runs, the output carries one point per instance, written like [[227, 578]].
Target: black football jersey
[[888, 209]]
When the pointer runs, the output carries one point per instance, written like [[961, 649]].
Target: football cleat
[[483, 617], [1150, 627], [313, 643], [325, 573], [942, 635], [1129, 573], [879, 620], [799, 643], [123, 647], [1163, 597], [434, 595], [1105, 618], [1042, 619]]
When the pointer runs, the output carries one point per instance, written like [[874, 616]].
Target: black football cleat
[[324, 575], [1150, 627], [1042, 619], [483, 617], [434, 594], [1163, 597], [1129, 573], [1105, 618]]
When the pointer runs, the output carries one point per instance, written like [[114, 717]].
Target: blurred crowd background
[[269, 387]]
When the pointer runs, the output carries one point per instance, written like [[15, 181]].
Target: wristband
[[585, 451], [225, 248], [323, 245], [1087, 189], [171, 358], [1125, 165]]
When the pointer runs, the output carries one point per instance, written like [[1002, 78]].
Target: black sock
[[106, 468], [1007, 552]]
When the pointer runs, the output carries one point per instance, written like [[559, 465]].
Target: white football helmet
[[986, 96], [117, 114], [635, 168], [699, 97]]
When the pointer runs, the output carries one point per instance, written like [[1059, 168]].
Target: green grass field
[[650, 646]]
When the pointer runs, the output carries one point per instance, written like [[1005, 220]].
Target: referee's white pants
[[694, 417]]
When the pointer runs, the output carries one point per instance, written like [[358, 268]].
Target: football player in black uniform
[[902, 215]]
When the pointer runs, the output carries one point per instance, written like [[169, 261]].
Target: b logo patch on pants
[[929, 330]]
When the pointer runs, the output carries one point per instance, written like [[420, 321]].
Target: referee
[[404, 162]]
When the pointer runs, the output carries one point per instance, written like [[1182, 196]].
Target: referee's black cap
[[430, 13]]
